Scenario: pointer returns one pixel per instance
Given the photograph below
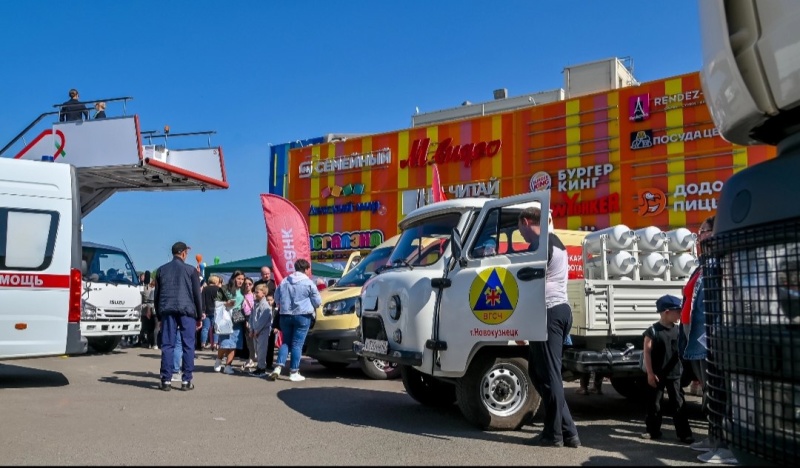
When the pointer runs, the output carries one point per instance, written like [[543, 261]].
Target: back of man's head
[[534, 214], [302, 265], [73, 93]]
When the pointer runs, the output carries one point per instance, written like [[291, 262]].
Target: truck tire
[[629, 387], [377, 369], [104, 344], [497, 394], [333, 365], [426, 389]]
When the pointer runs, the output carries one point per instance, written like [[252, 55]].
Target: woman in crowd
[[209, 295], [231, 294], [247, 307]]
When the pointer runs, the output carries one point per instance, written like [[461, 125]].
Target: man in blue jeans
[[299, 298], [178, 303]]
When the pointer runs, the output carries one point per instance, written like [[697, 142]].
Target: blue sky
[[265, 72]]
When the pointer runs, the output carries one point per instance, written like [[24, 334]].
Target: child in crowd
[[663, 366], [260, 328]]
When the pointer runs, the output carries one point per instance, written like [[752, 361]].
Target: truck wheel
[[105, 344], [426, 389], [497, 394], [629, 387], [333, 365], [378, 369]]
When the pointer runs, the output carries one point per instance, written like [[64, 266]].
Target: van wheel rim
[[383, 366], [503, 390]]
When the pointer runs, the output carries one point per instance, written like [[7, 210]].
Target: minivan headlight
[[346, 306], [394, 307]]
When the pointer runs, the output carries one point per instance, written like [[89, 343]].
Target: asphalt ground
[[106, 410]]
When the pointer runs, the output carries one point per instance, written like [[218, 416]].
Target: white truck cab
[[452, 318], [111, 304]]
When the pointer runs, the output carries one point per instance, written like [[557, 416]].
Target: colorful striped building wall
[[640, 156]]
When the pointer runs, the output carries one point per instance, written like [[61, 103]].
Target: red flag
[[287, 235], [436, 186]]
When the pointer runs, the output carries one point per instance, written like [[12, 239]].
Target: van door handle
[[528, 273]]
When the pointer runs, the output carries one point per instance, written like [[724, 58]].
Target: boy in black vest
[[663, 366]]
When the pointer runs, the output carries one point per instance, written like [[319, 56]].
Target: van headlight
[[394, 307], [343, 307], [137, 311], [88, 311]]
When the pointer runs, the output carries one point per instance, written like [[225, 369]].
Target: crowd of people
[[182, 316]]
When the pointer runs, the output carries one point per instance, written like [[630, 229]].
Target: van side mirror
[[457, 246], [84, 267], [147, 277]]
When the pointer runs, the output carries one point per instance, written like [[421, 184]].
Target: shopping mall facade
[[638, 154]]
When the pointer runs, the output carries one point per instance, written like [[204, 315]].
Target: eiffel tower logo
[[639, 107]]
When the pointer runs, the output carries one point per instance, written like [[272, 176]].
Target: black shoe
[[259, 372], [647, 435], [687, 440], [573, 441], [165, 386], [186, 386], [547, 442]]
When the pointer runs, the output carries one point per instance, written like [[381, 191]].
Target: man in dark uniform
[[266, 279], [73, 109], [179, 305], [545, 357]]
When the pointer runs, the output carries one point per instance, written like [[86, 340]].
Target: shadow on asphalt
[[12, 376], [609, 423], [384, 410]]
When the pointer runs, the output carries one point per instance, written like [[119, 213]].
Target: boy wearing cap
[[663, 366]]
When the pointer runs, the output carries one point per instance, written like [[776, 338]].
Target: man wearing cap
[[178, 303], [663, 367]]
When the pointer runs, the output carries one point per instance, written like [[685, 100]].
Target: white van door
[[497, 292], [34, 276]]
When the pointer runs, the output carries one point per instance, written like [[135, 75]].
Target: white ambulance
[[40, 260]]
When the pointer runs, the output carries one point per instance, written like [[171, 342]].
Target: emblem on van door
[[117, 302], [493, 295]]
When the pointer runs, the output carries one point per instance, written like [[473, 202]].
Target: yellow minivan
[[330, 340]]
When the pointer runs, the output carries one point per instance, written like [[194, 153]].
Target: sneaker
[[649, 436], [155, 347], [296, 377], [217, 365], [176, 377], [165, 386], [595, 391], [258, 372], [186, 386], [249, 365], [686, 440], [276, 372], [703, 446], [228, 370], [582, 391], [720, 456]]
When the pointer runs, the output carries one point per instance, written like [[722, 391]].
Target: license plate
[[376, 346]]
